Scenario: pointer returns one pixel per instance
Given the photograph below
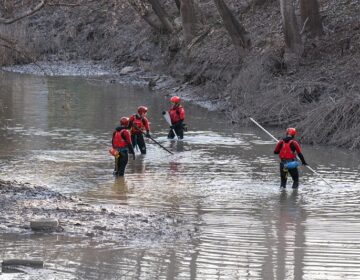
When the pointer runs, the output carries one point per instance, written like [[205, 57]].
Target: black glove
[[147, 134], [172, 126], [163, 112], [304, 162]]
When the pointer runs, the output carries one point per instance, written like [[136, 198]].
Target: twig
[[199, 38], [304, 26]]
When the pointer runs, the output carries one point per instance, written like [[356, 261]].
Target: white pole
[[168, 120]]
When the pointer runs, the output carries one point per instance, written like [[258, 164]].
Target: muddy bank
[[22, 203]]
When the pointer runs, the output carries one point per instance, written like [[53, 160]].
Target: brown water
[[222, 180]]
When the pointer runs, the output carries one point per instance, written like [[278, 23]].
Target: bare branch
[[200, 37], [304, 26], [64, 4], [310, 11], [79, 3], [25, 14], [7, 40]]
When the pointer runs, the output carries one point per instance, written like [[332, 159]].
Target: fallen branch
[[199, 38], [64, 4]]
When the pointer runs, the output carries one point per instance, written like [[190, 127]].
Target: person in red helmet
[[288, 150], [177, 116], [139, 125], [121, 141]]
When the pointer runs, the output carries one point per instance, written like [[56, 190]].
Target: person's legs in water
[[179, 130], [295, 176], [116, 167], [134, 140], [122, 162], [283, 175], [171, 134], [141, 143]]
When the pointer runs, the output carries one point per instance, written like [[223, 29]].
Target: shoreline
[[23, 204], [128, 75]]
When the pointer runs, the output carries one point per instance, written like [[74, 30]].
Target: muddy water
[[222, 181]]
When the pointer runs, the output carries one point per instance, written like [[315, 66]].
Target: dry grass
[[335, 121]]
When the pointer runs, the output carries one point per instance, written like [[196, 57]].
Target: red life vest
[[139, 124], [119, 141], [286, 152], [176, 114]]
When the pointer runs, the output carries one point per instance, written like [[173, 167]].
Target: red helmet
[[175, 99], [124, 121], [142, 110], [291, 131]]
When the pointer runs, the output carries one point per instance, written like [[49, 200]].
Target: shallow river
[[221, 180]]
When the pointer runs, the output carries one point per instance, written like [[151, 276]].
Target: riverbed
[[221, 186]]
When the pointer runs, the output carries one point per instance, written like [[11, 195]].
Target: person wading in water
[[121, 142], [139, 125], [177, 116], [288, 149]]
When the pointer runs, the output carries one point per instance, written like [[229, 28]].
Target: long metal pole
[[307, 166], [156, 142]]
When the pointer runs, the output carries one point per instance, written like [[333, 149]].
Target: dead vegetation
[[335, 121]]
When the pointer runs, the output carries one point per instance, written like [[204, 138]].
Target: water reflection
[[291, 236], [175, 167], [177, 146], [136, 167], [120, 188]]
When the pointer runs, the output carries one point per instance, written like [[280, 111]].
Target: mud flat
[[23, 205]]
